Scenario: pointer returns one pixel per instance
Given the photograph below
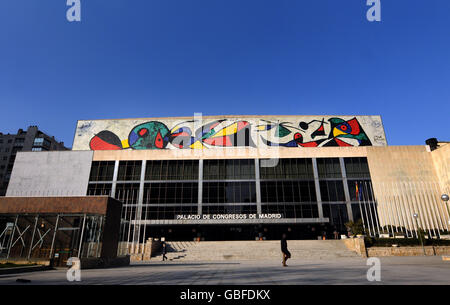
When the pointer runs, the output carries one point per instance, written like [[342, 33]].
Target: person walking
[[284, 250], [164, 251], [336, 233]]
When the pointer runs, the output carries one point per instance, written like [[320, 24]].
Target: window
[[102, 171], [337, 213], [229, 209], [129, 171], [171, 193], [47, 143], [171, 170], [229, 192], [357, 168], [365, 192], [38, 141], [96, 189], [367, 210], [288, 169], [329, 168], [288, 191], [332, 190], [292, 210], [229, 169], [128, 193], [168, 212]]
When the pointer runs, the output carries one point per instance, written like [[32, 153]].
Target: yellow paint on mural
[[197, 145], [261, 127], [337, 132], [125, 143], [232, 129]]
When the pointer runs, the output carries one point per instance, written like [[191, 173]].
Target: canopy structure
[[57, 228]]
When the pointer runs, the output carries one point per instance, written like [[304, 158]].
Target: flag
[[358, 194]]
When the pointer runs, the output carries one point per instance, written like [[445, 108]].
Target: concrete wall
[[441, 159], [406, 182], [56, 173], [280, 130], [235, 153], [407, 251], [357, 245]]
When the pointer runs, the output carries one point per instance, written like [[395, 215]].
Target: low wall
[[95, 263], [356, 245], [23, 269], [140, 251], [41, 262], [407, 251]]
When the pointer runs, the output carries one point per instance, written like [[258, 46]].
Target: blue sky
[[151, 58]]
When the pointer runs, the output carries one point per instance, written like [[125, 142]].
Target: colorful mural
[[229, 132]]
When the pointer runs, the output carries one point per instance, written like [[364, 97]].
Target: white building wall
[[55, 173]]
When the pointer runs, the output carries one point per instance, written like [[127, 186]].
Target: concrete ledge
[[356, 245], [24, 269], [18, 261], [97, 263], [407, 251]]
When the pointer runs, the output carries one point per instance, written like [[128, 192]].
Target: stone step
[[251, 250]]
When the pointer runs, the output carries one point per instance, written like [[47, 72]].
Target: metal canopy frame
[[65, 229]]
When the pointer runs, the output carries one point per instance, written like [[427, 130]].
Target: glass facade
[[360, 189], [171, 170], [288, 189], [229, 187], [102, 171], [222, 170], [298, 188]]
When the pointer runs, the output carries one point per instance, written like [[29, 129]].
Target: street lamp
[[415, 215], [444, 198]]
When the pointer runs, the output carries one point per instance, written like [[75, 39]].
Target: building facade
[[30, 140], [242, 177]]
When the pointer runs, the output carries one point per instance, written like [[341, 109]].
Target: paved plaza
[[394, 270]]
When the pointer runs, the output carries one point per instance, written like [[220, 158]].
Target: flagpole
[[359, 202], [365, 209]]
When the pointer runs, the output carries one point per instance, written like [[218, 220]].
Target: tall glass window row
[[287, 188]]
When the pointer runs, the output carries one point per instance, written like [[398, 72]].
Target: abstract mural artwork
[[215, 132]]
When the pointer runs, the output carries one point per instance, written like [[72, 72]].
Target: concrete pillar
[[114, 183], [317, 186], [258, 187], [136, 233], [200, 187]]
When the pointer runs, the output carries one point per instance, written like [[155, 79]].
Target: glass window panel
[[357, 167], [97, 189], [171, 193], [171, 170], [228, 169], [102, 171], [332, 191], [288, 169], [129, 170], [329, 168], [128, 193]]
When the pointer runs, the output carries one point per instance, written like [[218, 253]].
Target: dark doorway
[[239, 232]]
